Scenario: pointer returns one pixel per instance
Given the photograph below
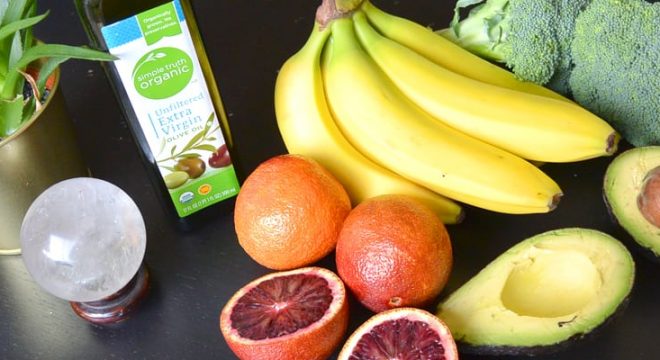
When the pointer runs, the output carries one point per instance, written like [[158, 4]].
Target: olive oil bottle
[[165, 86]]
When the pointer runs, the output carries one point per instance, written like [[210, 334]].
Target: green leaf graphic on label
[[162, 73]]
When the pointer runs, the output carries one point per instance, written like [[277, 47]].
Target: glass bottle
[[166, 89]]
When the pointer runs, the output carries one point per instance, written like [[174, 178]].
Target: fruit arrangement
[[389, 128], [361, 102], [393, 254]]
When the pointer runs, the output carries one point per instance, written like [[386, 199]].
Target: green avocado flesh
[[542, 292], [624, 181]]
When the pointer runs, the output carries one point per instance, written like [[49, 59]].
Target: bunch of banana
[[307, 128], [388, 106]]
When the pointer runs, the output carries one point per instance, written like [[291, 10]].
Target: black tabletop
[[194, 274]]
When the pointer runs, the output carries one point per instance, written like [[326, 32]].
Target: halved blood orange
[[401, 333], [298, 314]]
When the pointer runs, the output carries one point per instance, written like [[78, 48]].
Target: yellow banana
[[533, 127], [447, 54], [307, 128], [385, 126]]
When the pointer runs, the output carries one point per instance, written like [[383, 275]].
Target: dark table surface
[[194, 274]]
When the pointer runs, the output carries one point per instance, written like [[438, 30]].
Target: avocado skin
[[646, 252], [490, 350], [643, 251]]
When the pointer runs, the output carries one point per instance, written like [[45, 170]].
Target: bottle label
[[162, 76]]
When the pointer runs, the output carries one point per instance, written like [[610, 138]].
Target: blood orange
[[402, 333], [299, 314], [393, 251], [289, 212]]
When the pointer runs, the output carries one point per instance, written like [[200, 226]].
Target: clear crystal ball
[[83, 239]]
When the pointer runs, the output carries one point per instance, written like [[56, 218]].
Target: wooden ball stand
[[116, 307]]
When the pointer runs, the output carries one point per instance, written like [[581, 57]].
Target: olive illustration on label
[[220, 158], [175, 179], [195, 167]]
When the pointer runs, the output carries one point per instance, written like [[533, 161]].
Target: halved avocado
[[632, 193], [541, 294]]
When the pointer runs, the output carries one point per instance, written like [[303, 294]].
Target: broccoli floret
[[531, 37], [568, 11], [534, 50], [616, 52]]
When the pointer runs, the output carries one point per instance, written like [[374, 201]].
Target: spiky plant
[[22, 91]]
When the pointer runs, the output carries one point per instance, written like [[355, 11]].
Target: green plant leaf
[[66, 51], [29, 108], [15, 50], [63, 52], [11, 115], [28, 37], [11, 28], [31, 5], [46, 70], [14, 11], [4, 65], [3, 8], [14, 80]]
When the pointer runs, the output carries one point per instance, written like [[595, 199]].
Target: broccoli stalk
[[484, 32], [603, 53]]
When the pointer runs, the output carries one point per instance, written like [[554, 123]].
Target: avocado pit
[[648, 199]]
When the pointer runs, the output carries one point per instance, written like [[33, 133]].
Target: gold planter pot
[[41, 153]]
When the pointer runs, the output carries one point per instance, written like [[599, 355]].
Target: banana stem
[[334, 9], [348, 5]]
